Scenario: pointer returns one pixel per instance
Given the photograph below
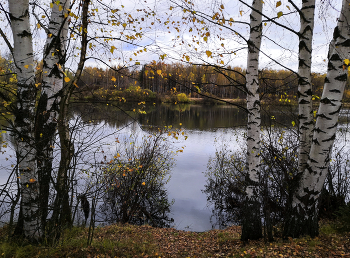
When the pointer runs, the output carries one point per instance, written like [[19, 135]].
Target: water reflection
[[192, 117]]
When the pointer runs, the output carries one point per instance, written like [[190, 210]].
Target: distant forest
[[164, 79], [228, 83]]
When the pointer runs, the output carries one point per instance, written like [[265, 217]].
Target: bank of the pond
[[145, 241]]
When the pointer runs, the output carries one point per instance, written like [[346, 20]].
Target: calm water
[[207, 127]]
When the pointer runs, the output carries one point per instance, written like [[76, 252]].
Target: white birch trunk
[[54, 55], [251, 221], [51, 88], [304, 85], [304, 215], [24, 117]]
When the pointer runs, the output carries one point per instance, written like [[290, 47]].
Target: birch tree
[[303, 218], [51, 91], [36, 122], [304, 83], [251, 221], [24, 117]]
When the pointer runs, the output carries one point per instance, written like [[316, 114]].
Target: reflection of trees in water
[[193, 117], [135, 182]]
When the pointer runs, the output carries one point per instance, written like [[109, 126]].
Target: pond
[[206, 128]]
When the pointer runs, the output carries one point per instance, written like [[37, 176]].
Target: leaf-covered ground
[[145, 241]]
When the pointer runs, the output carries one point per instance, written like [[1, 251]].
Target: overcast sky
[[160, 38]]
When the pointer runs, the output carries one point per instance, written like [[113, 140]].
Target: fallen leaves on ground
[[169, 242], [144, 241]]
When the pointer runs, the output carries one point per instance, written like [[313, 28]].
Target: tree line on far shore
[[166, 79]]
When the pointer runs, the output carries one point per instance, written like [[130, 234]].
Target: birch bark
[[303, 218], [304, 85], [252, 227], [51, 90], [24, 118], [62, 210]]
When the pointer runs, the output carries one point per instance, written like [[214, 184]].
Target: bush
[[135, 93], [343, 218], [182, 97], [135, 182]]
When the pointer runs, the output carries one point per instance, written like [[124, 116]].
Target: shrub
[[343, 218], [182, 97], [135, 182]]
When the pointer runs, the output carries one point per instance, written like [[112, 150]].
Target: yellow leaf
[[222, 6], [347, 61], [159, 72], [241, 13], [51, 5], [113, 79], [279, 14], [32, 180], [66, 79], [187, 58], [38, 25], [278, 4], [265, 24], [137, 63], [60, 8], [208, 53], [112, 49], [124, 25], [26, 66], [41, 135], [205, 39], [143, 183], [288, 7]]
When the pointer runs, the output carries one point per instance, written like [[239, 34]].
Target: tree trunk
[[62, 209], [306, 118], [48, 107], [251, 224], [24, 117], [303, 217]]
